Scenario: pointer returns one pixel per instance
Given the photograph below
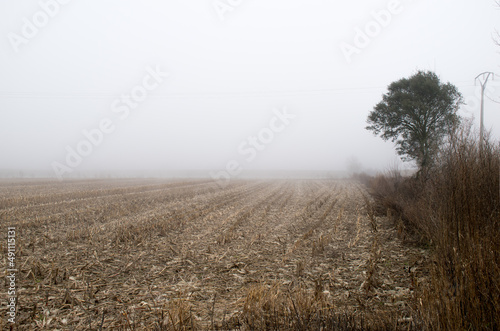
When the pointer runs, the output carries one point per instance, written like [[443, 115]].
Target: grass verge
[[455, 210]]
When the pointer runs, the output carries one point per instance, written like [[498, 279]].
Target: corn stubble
[[188, 255]]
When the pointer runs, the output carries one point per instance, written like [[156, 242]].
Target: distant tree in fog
[[416, 114]]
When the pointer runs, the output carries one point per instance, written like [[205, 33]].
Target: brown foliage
[[457, 211]]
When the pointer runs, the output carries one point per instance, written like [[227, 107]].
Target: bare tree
[[497, 37]]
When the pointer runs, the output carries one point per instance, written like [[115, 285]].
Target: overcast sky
[[298, 75]]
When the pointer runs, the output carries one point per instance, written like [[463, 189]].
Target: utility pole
[[485, 76]]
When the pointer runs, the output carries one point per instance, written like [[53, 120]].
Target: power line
[[485, 76], [75, 95], [182, 95]]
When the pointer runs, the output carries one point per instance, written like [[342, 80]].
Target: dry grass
[[457, 212]]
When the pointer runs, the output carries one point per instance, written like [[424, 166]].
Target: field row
[[149, 254]]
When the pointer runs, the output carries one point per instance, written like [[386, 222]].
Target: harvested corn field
[[171, 255]]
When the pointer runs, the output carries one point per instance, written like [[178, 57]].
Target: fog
[[195, 87]]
